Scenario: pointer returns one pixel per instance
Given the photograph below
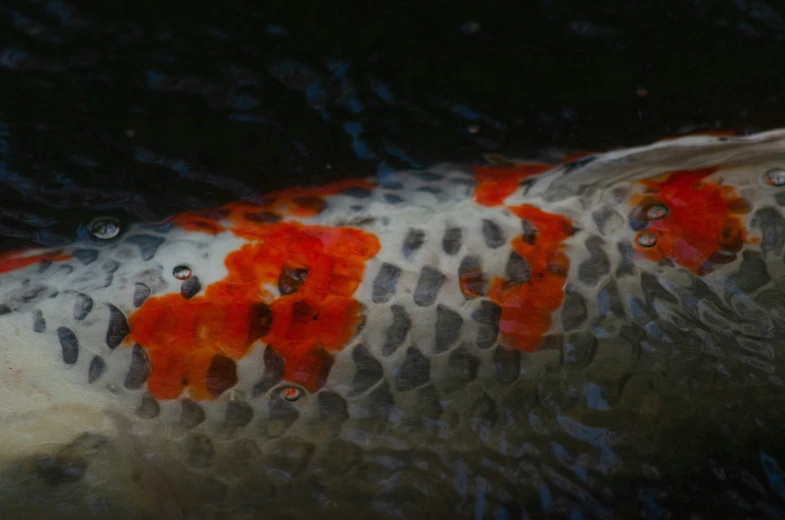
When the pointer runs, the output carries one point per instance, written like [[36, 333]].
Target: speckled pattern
[[440, 357]]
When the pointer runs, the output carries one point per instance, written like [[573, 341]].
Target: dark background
[[142, 109]]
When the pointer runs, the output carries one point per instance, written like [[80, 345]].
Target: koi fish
[[499, 341]]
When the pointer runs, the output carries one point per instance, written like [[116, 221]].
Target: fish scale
[[473, 342]]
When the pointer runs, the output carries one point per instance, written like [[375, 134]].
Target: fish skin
[[326, 357]]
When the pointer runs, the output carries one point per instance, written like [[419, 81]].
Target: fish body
[[479, 342]]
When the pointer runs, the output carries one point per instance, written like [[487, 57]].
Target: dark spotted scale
[[517, 270], [493, 234], [385, 283], [118, 327], [96, 369], [291, 279], [139, 370], [626, 266], [82, 306], [238, 415], [191, 413], [190, 287], [332, 407], [448, 328], [222, 374], [608, 300], [368, 371], [413, 241], [69, 345], [452, 241], [752, 273], [471, 276], [149, 408], [391, 198], [487, 316], [772, 228], [415, 370], [529, 232], [397, 331], [428, 286], [597, 265], [462, 368], [39, 323], [574, 311], [274, 367], [141, 293]]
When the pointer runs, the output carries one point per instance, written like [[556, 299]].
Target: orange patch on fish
[[192, 343], [527, 307], [296, 202], [495, 184], [703, 223], [13, 260]]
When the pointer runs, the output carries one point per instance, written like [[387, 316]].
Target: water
[[137, 111], [143, 110]]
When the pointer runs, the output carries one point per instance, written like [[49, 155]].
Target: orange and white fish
[[497, 342]]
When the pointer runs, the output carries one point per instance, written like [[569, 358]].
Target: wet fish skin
[[447, 341]]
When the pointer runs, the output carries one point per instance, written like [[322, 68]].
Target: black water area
[[144, 109]]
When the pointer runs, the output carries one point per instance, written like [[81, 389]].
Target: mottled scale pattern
[[432, 408]]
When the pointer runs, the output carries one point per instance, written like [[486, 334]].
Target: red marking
[[495, 184], [13, 261], [703, 221], [182, 337], [527, 307], [298, 202]]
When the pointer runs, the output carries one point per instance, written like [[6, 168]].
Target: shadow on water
[[141, 110]]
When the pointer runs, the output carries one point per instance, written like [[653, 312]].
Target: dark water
[[146, 108], [143, 109]]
